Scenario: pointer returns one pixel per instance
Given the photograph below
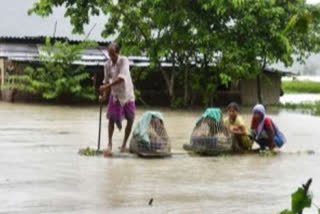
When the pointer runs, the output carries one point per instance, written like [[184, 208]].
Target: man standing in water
[[117, 79]]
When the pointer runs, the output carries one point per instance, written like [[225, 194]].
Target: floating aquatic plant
[[90, 152], [268, 153]]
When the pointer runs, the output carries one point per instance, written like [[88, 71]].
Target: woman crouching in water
[[264, 131], [237, 128]]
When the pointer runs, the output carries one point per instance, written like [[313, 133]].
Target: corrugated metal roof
[[23, 52], [93, 54], [30, 52], [19, 52], [24, 49]]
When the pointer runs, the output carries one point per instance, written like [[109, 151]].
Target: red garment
[[267, 123]]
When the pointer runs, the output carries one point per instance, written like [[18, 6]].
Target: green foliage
[[205, 83], [268, 153], [286, 212], [297, 86], [78, 11], [178, 103], [89, 152], [220, 41], [56, 77], [300, 200], [138, 74], [313, 108]]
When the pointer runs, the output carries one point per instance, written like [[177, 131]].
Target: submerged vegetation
[[89, 152], [312, 107], [297, 86]]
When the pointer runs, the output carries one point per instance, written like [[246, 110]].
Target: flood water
[[41, 171], [299, 98]]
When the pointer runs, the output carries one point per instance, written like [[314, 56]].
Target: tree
[[207, 43], [56, 77], [164, 31], [274, 31]]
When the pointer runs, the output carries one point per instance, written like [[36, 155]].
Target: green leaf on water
[[300, 200]]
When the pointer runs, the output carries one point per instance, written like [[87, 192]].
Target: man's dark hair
[[233, 105], [116, 47]]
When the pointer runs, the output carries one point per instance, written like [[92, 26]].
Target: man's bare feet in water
[[108, 152], [123, 149]]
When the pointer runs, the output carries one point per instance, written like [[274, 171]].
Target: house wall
[[1, 72], [270, 89], [4, 64], [223, 98], [10, 95]]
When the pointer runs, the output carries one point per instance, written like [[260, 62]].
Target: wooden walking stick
[[99, 132]]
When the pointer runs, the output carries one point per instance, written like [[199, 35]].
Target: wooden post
[[2, 73], [259, 87], [186, 87]]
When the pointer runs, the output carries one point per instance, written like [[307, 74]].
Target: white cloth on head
[[124, 91], [260, 129], [260, 109]]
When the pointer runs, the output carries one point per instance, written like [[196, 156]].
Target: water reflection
[[299, 98]]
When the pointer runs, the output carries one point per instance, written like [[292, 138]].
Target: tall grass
[[297, 86]]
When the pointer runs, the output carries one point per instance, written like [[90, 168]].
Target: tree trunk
[[259, 92], [186, 87], [171, 88], [169, 79], [259, 88]]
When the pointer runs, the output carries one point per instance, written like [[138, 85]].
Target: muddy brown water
[[41, 171]]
